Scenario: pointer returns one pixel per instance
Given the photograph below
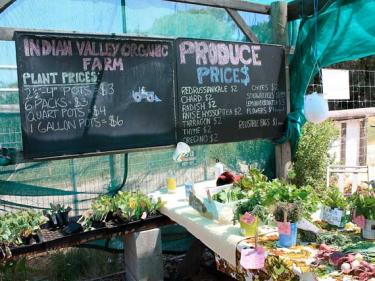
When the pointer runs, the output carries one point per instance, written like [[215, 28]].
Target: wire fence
[[362, 91], [356, 145]]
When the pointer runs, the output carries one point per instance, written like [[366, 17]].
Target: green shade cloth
[[345, 31]]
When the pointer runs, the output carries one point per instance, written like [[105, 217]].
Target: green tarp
[[345, 31]]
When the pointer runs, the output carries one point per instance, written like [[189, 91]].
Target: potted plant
[[20, 228], [58, 215], [251, 179], [364, 210], [249, 213], [290, 204], [287, 215], [335, 206], [133, 206]]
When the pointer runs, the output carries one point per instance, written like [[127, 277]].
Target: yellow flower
[[132, 203]]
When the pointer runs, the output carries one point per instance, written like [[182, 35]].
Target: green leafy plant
[[229, 195], [251, 179], [312, 158], [253, 205], [124, 206], [18, 225], [279, 192], [102, 207], [364, 204], [333, 198]]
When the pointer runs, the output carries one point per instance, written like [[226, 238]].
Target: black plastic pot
[[63, 218], [71, 228]]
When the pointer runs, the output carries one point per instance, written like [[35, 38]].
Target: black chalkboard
[[229, 91], [82, 94]]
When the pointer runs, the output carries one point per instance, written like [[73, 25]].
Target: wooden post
[[115, 170], [279, 20]]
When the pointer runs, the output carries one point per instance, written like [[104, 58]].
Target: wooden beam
[[5, 4], [231, 4], [279, 23], [242, 25], [7, 33], [304, 8]]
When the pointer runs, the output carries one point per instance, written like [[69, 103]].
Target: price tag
[[333, 216], [284, 228], [360, 221], [248, 218], [252, 258]]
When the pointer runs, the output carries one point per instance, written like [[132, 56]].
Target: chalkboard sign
[[229, 91], [97, 94]]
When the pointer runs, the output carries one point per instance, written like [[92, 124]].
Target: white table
[[220, 238]]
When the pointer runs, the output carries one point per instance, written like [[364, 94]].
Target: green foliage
[[15, 270], [18, 225], [337, 239], [279, 192], [82, 264], [312, 157], [364, 204], [253, 205], [229, 195], [101, 207], [251, 179], [333, 198], [126, 205]]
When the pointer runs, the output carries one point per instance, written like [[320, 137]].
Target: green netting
[[76, 182], [344, 31]]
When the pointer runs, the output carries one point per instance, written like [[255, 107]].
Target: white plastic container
[[219, 169], [369, 231]]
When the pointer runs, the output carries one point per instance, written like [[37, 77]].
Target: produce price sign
[[84, 94], [92, 94], [229, 91]]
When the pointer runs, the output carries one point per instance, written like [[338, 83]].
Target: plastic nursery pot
[[63, 218], [369, 230], [287, 241], [249, 230], [53, 220], [60, 219]]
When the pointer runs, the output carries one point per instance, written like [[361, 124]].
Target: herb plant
[[251, 179], [333, 198], [253, 205], [312, 158], [124, 206], [229, 195], [364, 204], [18, 225]]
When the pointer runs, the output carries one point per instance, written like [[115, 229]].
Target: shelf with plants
[[124, 207], [19, 228], [27, 232]]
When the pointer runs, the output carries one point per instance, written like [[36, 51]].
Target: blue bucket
[[287, 241]]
